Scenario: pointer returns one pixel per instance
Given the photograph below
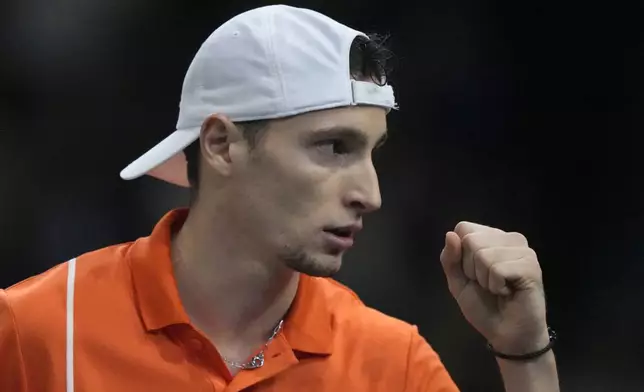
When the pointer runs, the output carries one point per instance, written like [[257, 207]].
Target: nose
[[363, 195]]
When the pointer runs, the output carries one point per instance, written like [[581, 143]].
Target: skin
[[259, 221], [260, 215], [497, 282]]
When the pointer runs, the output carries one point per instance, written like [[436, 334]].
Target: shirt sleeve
[[425, 371], [12, 370]]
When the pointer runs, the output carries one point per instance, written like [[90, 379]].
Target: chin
[[324, 265]]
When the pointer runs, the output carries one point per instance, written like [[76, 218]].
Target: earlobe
[[218, 133]]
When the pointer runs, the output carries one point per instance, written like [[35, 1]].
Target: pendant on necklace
[[257, 361]]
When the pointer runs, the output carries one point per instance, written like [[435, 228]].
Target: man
[[280, 111]]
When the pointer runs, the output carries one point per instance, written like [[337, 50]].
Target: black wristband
[[526, 357]]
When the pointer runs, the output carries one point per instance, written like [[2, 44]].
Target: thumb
[[451, 257]]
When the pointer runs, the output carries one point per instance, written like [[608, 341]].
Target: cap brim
[[166, 160]]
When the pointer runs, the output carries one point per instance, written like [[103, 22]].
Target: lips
[[343, 232], [347, 231], [341, 237]]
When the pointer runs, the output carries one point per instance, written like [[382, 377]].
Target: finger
[[464, 228], [451, 261], [514, 275], [475, 242], [485, 259], [496, 280]]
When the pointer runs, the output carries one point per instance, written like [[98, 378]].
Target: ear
[[218, 136]]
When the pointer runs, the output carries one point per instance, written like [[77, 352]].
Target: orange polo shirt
[[111, 320]]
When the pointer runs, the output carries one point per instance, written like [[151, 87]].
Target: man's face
[[304, 189]]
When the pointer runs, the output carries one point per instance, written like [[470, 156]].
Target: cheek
[[297, 196], [292, 196], [296, 184]]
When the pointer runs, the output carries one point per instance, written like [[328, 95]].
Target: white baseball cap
[[269, 62]]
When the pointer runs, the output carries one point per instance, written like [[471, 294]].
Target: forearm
[[537, 375]]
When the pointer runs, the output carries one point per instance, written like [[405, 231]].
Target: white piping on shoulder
[[69, 346]]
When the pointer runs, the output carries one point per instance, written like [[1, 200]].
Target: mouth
[[342, 232], [342, 237]]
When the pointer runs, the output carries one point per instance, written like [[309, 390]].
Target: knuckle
[[475, 237], [496, 269], [473, 243], [484, 256], [468, 240], [518, 238], [528, 254], [532, 253], [461, 228], [531, 266], [533, 260]]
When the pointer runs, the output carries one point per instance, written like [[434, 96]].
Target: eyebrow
[[351, 133]]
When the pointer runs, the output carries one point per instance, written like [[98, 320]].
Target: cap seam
[[274, 63]]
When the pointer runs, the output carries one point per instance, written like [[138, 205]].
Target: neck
[[229, 291]]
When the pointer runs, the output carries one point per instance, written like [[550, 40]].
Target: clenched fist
[[496, 279]]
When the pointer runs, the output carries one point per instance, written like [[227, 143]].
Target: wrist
[[525, 350], [537, 375]]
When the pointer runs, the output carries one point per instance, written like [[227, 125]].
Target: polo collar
[[155, 288], [308, 324]]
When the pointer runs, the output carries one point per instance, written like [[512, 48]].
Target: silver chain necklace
[[257, 360]]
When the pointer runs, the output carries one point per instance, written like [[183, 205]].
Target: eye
[[333, 146]]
